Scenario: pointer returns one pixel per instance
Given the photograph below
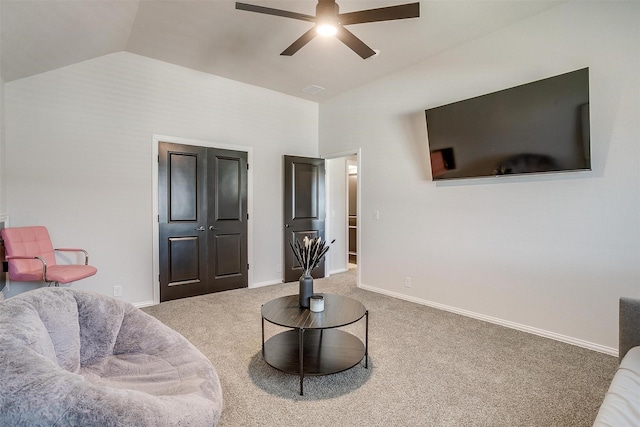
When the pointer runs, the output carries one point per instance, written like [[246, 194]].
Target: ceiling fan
[[329, 21]]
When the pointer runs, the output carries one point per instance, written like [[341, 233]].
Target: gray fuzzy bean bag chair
[[74, 358]]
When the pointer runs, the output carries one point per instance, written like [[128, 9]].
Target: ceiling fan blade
[[354, 43], [403, 11], [276, 12], [298, 44]]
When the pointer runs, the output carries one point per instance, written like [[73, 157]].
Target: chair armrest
[[9, 257], [86, 254], [44, 263], [629, 332]]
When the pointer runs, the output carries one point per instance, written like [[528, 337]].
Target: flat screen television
[[538, 127]]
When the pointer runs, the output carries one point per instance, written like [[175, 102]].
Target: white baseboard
[[536, 331], [149, 303], [267, 283], [279, 281], [144, 304]]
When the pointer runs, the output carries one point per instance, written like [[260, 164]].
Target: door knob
[[211, 227], [286, 226], [200, 229]]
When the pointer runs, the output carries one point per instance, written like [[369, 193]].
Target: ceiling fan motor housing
[[327, 12]]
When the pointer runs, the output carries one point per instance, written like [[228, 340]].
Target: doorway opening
[[352, 211], [344, 212]]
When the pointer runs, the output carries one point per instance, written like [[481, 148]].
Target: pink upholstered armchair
[[31, 258]]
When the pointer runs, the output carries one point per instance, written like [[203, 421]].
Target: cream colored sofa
[[621, 405]]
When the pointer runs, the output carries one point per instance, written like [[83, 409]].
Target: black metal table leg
[[301, 348], [366, 340], [263, 337]]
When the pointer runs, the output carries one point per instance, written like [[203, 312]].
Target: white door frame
[[154, 191], [355, 152]]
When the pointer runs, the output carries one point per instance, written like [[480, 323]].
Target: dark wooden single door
[[304, 209], [202, 220]]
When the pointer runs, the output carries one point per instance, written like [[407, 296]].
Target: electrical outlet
[[407, 282], [376, 215], [278, 268], [117, 291]]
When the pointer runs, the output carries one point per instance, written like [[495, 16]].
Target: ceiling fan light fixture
[[327, 29], [327, 20]]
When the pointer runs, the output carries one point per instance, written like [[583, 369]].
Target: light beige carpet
[[427, 367]]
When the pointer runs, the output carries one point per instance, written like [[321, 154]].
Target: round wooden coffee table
[[313, 345]]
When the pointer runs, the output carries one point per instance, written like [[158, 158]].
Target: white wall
[[2, 136], [79, 144], [3, 288], [550, 254], [2, 150], [3, 216]]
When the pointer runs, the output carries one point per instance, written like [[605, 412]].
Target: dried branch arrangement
[[309, 253]]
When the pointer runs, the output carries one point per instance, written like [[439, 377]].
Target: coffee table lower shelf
[[325, 351]]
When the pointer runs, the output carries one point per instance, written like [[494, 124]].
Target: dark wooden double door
[[202, 220]]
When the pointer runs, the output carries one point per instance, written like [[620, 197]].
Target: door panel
[[184, 260], [305, 191], [202, 220], [304, 209], [183, 181], [228, 188], [182, 221], [229, 255]]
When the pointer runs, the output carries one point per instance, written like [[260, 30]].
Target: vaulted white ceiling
[[212, 36]]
